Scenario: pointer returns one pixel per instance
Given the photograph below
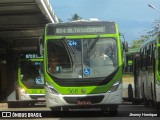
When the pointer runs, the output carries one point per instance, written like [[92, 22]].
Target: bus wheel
[[130, 93]]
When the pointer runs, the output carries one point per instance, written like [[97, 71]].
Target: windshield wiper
[[94, 43], [67, 46]]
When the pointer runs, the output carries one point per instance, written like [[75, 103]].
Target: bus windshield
[[82, 58], [31, 74]]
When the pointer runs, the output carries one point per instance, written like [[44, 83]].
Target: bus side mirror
[[125, 46], [124, 59], [40, 47], [125, 43], [40, 50]]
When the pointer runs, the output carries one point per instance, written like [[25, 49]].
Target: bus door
[[136, 70]]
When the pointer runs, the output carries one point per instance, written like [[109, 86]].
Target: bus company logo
[[83, 90], [6, 114]]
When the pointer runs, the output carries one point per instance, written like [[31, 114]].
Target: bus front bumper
[[90, 100]]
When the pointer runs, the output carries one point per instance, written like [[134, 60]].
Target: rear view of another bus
[[128, 75], [30, 84]]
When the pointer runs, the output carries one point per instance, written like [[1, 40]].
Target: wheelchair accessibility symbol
[[86, 71]]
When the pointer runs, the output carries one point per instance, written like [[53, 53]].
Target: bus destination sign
[[81, 29]]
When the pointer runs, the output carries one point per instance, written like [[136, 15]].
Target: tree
[[156, 27], [154, 31], [60, 20], [75, 17], [136, 43]]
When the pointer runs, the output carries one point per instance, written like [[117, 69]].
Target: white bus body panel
[[53, 100]]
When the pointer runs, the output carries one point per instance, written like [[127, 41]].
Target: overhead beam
[[21, 33], [22, 19], [22, 22], [17, 4], [8, 10], [16, 1], [21, 27]]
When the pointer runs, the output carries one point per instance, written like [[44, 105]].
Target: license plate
[[83, 102]]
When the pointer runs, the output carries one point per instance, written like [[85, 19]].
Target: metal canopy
[[22, 23]]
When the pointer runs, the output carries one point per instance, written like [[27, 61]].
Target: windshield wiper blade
[[94, 43], [66, 44]]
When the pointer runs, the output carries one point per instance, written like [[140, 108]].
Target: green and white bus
[[83, 65], [148, 72], [30, 84]]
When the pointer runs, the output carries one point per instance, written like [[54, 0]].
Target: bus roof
[[150, 41], [80, 22]]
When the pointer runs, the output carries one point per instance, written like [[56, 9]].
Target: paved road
[[124, 112]]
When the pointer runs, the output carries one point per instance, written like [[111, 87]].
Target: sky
[[134, 17]]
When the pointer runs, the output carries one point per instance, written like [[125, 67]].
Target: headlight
[[51, 89], [114, 87], [22, 90]]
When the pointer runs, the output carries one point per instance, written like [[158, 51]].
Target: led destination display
[[83, 28], [87, 29]]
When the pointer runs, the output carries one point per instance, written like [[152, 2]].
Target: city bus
[[128, 75], [83, 65], [148, 72], [30, 84]]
